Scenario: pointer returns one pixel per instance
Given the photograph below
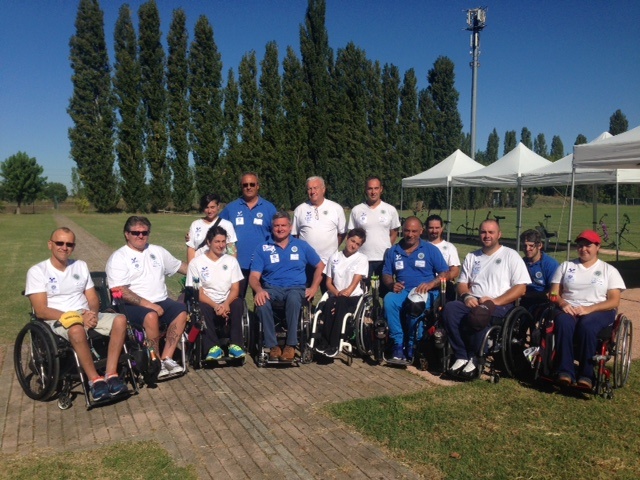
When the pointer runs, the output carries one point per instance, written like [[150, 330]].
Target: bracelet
[[464, 297]]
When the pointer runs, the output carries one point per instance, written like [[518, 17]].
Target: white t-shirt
[[320, 226], [65, 290], [377, 222], [199, 228], [449, 252], [143, 272], [342, 269], [585, 286], [493, 275], [216, 277]]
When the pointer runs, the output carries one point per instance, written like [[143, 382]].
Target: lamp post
[[476, 19]]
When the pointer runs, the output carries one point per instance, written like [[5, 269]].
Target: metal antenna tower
[[476, 19]]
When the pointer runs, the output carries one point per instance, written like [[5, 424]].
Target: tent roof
[[505, 171], [620, 151], [440, 175]]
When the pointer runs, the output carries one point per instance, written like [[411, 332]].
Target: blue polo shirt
[[284, 267], [252, 226], [423, 265], [541, 273]]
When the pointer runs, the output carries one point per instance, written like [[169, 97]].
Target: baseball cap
[[590, 236]]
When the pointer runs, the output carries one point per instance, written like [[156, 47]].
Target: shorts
[[136, 313], [105, 323]]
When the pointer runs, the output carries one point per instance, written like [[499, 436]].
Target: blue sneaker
[[116, 386], [409, 353], [215, 353], [99, 390], [235, 351], [398, 353]]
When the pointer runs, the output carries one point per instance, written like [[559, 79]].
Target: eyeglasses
[[64, 244], [141, 233], [247, 185], [316, 212]]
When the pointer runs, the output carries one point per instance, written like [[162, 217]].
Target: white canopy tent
[[440, 175], [506, 172]]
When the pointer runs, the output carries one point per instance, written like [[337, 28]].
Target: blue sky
[[556, 67]]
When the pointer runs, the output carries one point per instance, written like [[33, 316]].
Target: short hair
[[490, 220], [358, 232], [62, 229], [213, 232], [430, 218], [372, 177], [281, 214], [253, 174], [315, 177], [532, 235], [413, 217], [136, 220], [207, 199]]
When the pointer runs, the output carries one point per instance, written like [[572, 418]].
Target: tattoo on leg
[[172, 335]]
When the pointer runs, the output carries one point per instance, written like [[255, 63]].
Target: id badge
[[257, 221], [239, 220], [400, 265], [275, 258]]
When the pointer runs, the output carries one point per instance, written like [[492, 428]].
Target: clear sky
[[556, 67]]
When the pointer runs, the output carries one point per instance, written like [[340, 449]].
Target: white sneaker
[[171, 366], [163, 372], [470, 367], [458, 364]]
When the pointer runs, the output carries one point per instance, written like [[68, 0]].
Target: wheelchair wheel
[[306, 354], [622, 353], [36, 362], [516, 338], [246, 327]]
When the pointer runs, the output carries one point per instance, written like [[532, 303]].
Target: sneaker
[[409, 353], [235, 351], [288, 354], [163, 371], [585, 382], [275, 353], [458, 365], [116, 385], [215, 353], [321, 345], [398, 353], [172, 366], [564, 379], [331, 352], [469, 368], [99, 390]]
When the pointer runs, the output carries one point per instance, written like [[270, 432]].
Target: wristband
[[465, 296]]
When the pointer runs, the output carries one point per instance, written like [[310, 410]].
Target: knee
[[77, 334]]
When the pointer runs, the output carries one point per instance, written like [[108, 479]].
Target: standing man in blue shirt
[[278, 273], [541, 268], [410, 264], [251, 218]]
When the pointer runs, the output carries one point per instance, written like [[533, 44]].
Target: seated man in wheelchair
[[492, 279], [62, 294], [410, 264], [344, 272], [219, 276], [587, 291], [541, 268], [138, 270], [278, 274]]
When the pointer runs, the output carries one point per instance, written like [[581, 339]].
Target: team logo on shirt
[[598, 273], [268, 248], [204, 273], [307, 216], [421, 255], [135, 263], [325, 212], [259, 215], [538, 274], [239, 213], [336, 261], [294, 249], [499, 261], [383, 212], [76, 276], [225, 267], [198, 229], [398, 256]]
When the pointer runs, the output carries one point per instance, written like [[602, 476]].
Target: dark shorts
[[135, 313]]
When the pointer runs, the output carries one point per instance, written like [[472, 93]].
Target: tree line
[[161, 127]]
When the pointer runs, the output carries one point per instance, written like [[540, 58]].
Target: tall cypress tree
[[408, 136], [316, 60], [391, 109], [540, 146], [91, 107], [177, 88], [126, 83], [250, 144], [275, 168], [618, 123], [580, 140], [557, 149], [510, 141], [152, 59], [525, 138], [207, 132], [375, 145], [493, 147], [229, 167]]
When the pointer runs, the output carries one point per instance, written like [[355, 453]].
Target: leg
[[151, 325], [565, 326], [265, 316], [330, 314], [210, 337], [343, 306], [392, 306], [293, 304], [454, 313], [586, 337], [116, 341], [175, 316], [235, 317], [78, 338]]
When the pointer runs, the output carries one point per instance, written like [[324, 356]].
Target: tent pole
[[450, 201], [617, 218], [594, 192], [519, 214], [573, 187], [401, 199]]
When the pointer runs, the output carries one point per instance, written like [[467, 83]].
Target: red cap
[[590, 236]]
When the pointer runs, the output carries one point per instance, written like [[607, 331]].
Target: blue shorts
[[135, 313]]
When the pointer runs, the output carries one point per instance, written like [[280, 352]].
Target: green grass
[[126, 460], [504, 431]]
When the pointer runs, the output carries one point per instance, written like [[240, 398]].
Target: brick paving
[[240, 422]]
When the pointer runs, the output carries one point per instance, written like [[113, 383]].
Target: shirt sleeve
[[117, 271], [192, 236], [294, 222], [257, 262], [387, 268], [342, 222], [35, 281], [362, 267], [466, 268], [395, 219], [352, 224], [192, 271], [171, 263]]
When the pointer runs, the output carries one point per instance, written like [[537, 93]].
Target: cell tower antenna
[[476, 21]]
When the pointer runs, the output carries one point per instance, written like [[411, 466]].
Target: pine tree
[[557, 149], [409, 136], [618, 123], [126, 85], [510, 141], [207, 124], [375, 147], [540, 146], [580, 140], [229, 167], [91, 108], [391, 108], [152, 59], [177, 89], [250, 134], [525, 138], [493, 147]]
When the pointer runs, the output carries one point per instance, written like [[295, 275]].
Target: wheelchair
[[535, 357], [46, 364], [196, 325], [256, 336], [431, 347], [498, 348], [371, 329]]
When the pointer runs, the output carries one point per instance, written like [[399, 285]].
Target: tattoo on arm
[[130, 297]]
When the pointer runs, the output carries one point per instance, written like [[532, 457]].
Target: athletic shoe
[[409, 353], [321, 345], [172, 366], [99, 390], [116, 386], [458, 365], [470, 367], [564, 379], [163, 371], [331, 352], [398, 353], [235, 351], [585, 382], [215, 353], [288, 354]]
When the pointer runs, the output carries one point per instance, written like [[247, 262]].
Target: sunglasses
[[63, 244], [141, 233], [246, 185]]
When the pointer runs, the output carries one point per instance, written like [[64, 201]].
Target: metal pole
[[476, 19]]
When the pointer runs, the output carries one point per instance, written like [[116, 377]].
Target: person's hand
[[89, 319], [398, 287], [261, 298], [187, 237], [157, 308], [309, 293], [471, 301], [422, 288], [344, 293]]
